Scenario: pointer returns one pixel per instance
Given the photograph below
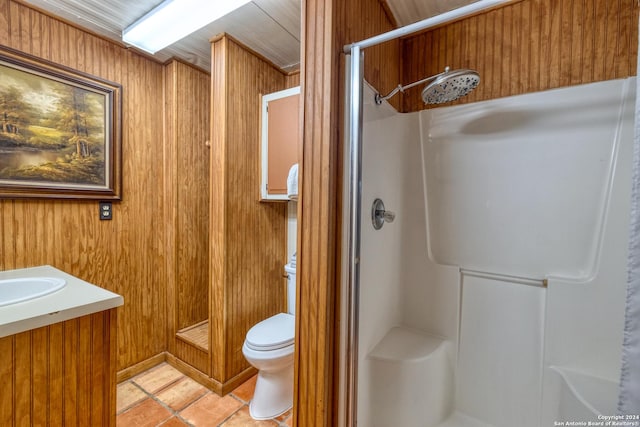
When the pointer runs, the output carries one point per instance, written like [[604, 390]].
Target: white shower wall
[[471, 158], [399, 285]]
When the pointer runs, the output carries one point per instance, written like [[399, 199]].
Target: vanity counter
[[76, 299]]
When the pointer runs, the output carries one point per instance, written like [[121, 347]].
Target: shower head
[[450, 85], [444, 87]]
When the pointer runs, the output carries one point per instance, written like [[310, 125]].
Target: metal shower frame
[[353, 193]]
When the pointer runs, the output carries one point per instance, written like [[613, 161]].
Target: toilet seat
[[273, 333]]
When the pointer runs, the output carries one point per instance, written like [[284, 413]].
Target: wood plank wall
[[127, 254], [327, 26], [186, 174], [529, 46], [248, 238], [60, 375]]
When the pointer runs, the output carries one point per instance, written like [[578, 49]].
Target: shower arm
[[379, 98]]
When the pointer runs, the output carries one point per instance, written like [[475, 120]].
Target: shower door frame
[[352, 191]]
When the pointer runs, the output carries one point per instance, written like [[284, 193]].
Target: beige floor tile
[[181, 394], [158, 378], [245, 390], [128, 394], [243, 419], [149, 413], [211, 410]]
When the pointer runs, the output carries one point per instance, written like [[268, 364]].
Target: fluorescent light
[[173, 20]]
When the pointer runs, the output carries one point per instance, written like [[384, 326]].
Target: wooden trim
[[170, 190], [217, 387], [138, 368], [187, 63], [319, 169], [194, 374]]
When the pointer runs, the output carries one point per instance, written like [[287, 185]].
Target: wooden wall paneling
[[248, 238], [293, 80], [5, 22], [256, 232], [186, 166], [56, 373], [6, 379], [141, 218], [70, 369], [531, 45], [21, 354], [39, 354], [123, 255], [62, 374], [192, 161], [217, 209], [84, 370]]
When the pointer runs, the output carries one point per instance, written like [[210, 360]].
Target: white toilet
[[269, 347]]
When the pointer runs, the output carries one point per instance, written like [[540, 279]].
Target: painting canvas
[[59, 131]]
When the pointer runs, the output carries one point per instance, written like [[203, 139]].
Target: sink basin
[[23, 289]]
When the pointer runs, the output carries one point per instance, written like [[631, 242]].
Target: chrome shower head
[[444, 87], [450, 85]]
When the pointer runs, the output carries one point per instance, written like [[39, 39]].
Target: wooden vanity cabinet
[[63, 374]]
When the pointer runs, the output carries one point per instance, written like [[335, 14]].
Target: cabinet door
[[280, 139]]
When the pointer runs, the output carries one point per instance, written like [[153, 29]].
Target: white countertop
[[78, 298]]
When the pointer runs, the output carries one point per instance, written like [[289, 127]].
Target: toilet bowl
[[269, 347]]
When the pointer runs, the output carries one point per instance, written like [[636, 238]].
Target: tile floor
[[163, 396]]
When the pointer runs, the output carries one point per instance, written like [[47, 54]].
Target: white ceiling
[[269, 27]]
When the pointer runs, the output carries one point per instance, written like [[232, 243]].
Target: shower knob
[[379, 215]]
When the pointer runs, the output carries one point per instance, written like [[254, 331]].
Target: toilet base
[[273, 395]]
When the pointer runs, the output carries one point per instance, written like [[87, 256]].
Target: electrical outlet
[[105, 211]]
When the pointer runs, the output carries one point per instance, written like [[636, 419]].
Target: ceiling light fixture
[[173, 20]]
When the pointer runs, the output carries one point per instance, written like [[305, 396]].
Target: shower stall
[[485, 263]]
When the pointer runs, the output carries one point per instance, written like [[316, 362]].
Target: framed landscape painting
[[60, 131]]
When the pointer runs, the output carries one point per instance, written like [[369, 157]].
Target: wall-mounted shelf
[[280, 123]]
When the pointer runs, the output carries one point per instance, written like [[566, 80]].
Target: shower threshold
[[197, 335]]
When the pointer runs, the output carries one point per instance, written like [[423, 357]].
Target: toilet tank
[[291, 287]]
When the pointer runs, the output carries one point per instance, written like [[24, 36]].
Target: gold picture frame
[[60, 131]]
